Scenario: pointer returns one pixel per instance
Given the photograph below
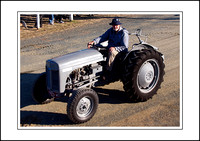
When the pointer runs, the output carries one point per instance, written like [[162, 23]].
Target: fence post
[[38, 21], [71, 17]]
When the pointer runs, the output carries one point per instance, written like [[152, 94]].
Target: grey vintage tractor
[[141, 71]]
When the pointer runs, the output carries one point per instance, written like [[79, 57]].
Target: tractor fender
[[140, 47]]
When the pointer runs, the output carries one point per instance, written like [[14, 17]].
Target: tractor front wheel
[[82, 105]]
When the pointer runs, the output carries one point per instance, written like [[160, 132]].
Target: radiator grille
[[55, 79], [52, 79]]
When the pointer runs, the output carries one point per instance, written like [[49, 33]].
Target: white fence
[[38, 19]]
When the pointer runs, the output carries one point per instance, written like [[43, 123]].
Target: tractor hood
[[75, 60]]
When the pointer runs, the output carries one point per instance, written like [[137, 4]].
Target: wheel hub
[[84, 107], [145, 75], [148, 75]]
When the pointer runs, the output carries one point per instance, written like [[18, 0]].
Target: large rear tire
[[143, 74], [82, 105], [40, 93]]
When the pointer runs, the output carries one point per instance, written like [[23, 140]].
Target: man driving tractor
[[76, 74], [117, 38]]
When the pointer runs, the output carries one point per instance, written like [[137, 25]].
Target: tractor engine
[[84, 77]]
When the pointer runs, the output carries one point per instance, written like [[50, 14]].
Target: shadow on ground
[[43, 118], [27, 81]]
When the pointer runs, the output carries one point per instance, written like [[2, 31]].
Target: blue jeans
[[51, 18]]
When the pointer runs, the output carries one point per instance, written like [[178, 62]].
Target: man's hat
[[115, 22]]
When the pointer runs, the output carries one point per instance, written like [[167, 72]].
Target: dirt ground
[[36, 46]]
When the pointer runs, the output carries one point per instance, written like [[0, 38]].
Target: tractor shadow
[[40, 118], [111, 96], [27, 81], [43, 118]]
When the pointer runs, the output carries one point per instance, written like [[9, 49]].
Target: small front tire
[[82, 105]]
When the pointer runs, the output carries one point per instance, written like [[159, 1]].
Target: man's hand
[[112, 49], [90, 44]]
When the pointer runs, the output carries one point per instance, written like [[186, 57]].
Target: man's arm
[[102, 38]]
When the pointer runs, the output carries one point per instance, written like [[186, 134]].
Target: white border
[[190, 74]]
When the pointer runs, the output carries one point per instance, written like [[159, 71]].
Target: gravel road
[[163, 110]]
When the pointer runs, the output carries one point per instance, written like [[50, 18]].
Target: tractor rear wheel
[[143, 74]]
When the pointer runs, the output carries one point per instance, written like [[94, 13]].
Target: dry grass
[[46, 28], [32, 31]]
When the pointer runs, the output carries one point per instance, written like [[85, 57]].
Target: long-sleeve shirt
[[119, 39]]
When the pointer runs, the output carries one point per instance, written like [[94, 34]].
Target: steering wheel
[[99, 47]]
